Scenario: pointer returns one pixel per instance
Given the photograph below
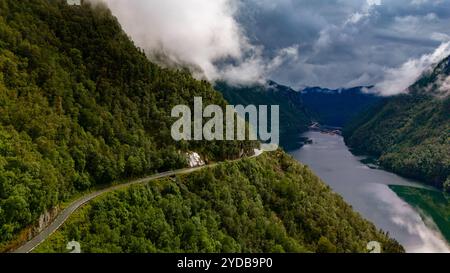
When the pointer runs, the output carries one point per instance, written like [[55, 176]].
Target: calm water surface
[[367, 190]]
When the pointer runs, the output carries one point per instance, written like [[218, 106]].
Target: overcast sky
[[346, 42], [327, 43]]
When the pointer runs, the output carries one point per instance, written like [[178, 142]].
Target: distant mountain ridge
[[339, 106], [299, 108], [294, 117], [82, 107], [318, 89]]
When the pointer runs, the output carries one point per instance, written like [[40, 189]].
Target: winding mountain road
[[67, 212]]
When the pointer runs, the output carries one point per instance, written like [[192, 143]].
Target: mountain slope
[[337, 107], [81, 106], [294, 118], [410, 133], [265, 204]]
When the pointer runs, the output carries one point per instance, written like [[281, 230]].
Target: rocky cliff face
[[194, 160], [44, 220], [29, 233]]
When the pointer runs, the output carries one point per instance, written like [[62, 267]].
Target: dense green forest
[[81, 106], [266, 204], [410, 134], [294, 118]]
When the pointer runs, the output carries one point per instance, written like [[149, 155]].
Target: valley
[[88, 107], [83, 108], [397, 205], [412, 212]]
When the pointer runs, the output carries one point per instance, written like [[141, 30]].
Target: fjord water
[[368, 191]]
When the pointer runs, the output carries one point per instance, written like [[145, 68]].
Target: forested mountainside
[[294, 118], [81, 106], [410, 133], [299, 108], [266, 204], [337, 107]]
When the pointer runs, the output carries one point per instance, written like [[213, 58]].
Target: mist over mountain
[[201, 35], [435, 82], [410, 133], [82, 108], [398, 80], [247, 42]]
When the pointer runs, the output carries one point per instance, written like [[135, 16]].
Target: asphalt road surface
[[67, 212]]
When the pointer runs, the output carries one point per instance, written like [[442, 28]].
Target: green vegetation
[[410, 134], [81, 106], [433, 203], [266, 204], [337, 107], [294, 118]]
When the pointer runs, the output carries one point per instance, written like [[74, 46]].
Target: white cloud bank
[[444, 87], [364, 13], [398, 80], [200, 34]]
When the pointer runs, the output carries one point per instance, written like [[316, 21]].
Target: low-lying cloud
[[341, 43], [444, 87], [346, 43], [202, 35], [398, 80]]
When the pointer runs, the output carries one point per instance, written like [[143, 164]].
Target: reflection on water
[[367, 190]]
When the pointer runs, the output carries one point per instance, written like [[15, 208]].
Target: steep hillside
[[337, 107], [81, 106], [294, 118], [410, 133], [265, 204]]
